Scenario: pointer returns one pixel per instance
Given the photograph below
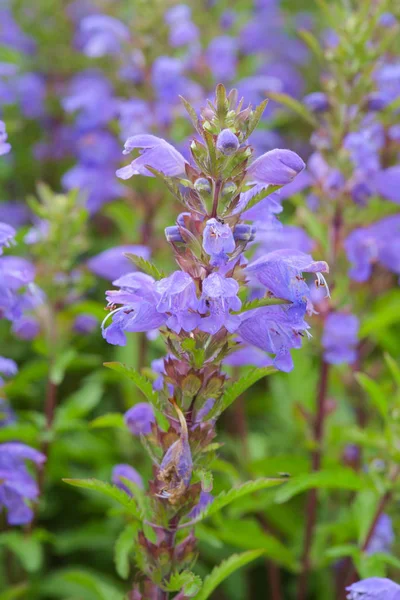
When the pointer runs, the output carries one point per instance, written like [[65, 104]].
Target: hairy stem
[[312, 500]]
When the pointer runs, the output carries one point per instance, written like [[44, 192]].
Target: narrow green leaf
[[114, 420], [123, 547], [145, 266], [341, 478], [295, 106], [235, 389], [260, 302], [144, 384], [375, 392], [191, 112], [225, 498], [312, 42], [394, 368], [256, 116], [224, 570], [108, 490], [60, 366]]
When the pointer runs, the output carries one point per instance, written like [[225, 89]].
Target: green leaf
[[394, 368], [108, 490], [295, 106], [237, 388], [60, 366], [123, 547], [185, 581], [227, 497], [260, 302], [341, 478], [256, 116], [375, 392], [224, 570], [14, 592], [90, 583], [114, 420], [312, 42], [169, 182], [79, 404], [145, 265], [144, 384], [28, 549], [191, 112]]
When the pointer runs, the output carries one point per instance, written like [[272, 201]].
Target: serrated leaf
[[375, 392], [114, 420], [108, 490], [145, 265], [295, 106], [259, 303], [256, 116], [227, 497], [341, 478], [191, 112], [224, 570], [144, 384], [122, 549], [186, 582], [237, 388]]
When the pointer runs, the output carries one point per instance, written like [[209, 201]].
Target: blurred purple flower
[[17, 486], [7, 234], [387, 183], [103, 35], [317, 102], [374, 588], [139, 418], [26, 328], [111, 264], [222, 58], [85, 323], [5, 147], [182, 30], [383, 536], [127, 472], [340, 338], [7, 415]]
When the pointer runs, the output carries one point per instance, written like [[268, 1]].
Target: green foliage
[[145, 266], [109, 491], [123, 547], [144, 384], [185, 581]]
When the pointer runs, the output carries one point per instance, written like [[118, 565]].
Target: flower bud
[[173, 234], [229, 189], [202, 186], [244, 233], [227, 142], [317, 102], [127, 472], [139, 418]]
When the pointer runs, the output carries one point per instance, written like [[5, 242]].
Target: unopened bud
[[229, 189], [202, 186], [244, 233], [173, 234], [227, 142]]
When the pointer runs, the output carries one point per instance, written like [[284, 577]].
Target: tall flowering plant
[[216, 304]]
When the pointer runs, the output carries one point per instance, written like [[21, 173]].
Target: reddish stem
[[312, 500]]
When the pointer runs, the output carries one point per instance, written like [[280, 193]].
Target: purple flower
[[112, 263], [127, 472], [14, 213], [168, 79], [4, 145], [276, 167], [219, 297], [340, 338], [139, 418], [374, 588], [176, 469], [157, 153], [26, 328], [90, 94], [387, 19], [383, 537], [378, 243], [275, 330], [103, 35], [96, 182], [85, 323], [317, 102], [135, 116], [218, 241], [182, 30], [178, 299], [205, 499], [17, 486], [30, 90], [248, 355], [227, 142], [8, 368], [7, 234], [222, 58], [387, 183]]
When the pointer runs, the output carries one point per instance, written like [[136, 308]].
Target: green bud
[[202, 186]]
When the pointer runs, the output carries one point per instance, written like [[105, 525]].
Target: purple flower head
[[103, 35], [8, 368], [182, 30], [222, 58], [387, 19], [90, 94], [378, 243], [317, 102], [135, 116], [155, 152], [227, 142], [218, 241], [4, 145], [85, 323], [7, 415], [219, 297], [17, 486], [275, 330], [14, 213], [168, 79], [276, 167], [374, 588], [26, 328], [139, 418], [7, 234], [205, 499], [30, 90], [127, 472], [387, 183], [383, 537], [340, 338], [178, 299], [96, 182], [112, 263]]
